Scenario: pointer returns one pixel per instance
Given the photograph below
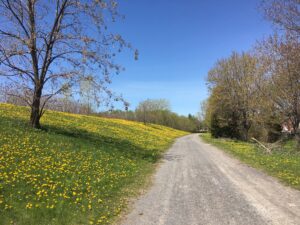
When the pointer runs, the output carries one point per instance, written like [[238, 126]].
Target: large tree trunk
[[35, 108]]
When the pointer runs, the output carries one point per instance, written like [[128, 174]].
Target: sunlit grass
[[283, 164], [77, 170]]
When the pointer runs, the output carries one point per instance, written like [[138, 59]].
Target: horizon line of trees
[[149, 111], [255, 93], [157, 111]]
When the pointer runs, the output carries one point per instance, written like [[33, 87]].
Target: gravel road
[[199, 184]]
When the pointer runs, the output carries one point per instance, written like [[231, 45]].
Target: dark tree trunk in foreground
[[35, 109]]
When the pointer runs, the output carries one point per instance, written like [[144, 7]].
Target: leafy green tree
[[233, 95], [152, 110]]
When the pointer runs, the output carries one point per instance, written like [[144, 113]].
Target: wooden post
[[262, 145]]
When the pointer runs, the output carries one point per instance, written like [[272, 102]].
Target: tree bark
[[35, 108]]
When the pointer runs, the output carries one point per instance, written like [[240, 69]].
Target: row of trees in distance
[[150, 111], [158, 111]]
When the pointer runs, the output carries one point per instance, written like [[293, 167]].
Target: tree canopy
[[47, 47]]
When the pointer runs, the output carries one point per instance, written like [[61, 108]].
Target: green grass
[[284, 163], [77, 170]]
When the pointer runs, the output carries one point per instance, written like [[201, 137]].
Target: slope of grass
[[283, 164], [77, 170]]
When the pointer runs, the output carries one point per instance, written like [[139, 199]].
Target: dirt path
[[199, 184]]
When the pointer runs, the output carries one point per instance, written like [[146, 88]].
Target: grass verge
[[77, 170], [283, 164]]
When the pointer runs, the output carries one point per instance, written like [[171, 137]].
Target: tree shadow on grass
[[105, 143]]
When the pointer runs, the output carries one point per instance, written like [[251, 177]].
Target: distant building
[[287, 127]]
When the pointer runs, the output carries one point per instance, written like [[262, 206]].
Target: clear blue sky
[[179, 41]]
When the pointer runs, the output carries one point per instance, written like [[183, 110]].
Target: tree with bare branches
[[279, 58], [47, 47], [283, 13]]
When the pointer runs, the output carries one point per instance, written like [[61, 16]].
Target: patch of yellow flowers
[[283, 165], [80, 167]]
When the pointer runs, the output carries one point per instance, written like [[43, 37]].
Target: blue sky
[[179, 41]]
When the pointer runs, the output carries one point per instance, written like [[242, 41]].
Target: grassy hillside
[[282, 163], [78, 170]]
